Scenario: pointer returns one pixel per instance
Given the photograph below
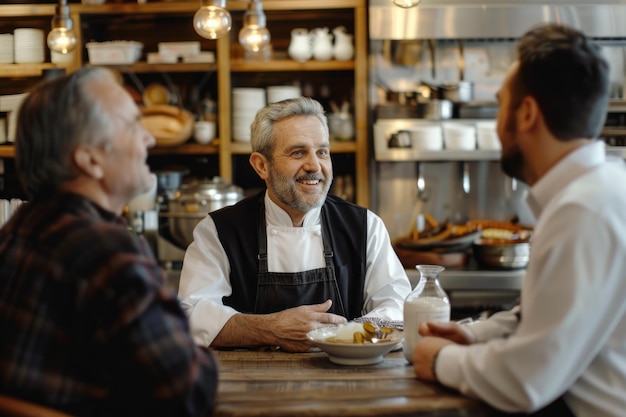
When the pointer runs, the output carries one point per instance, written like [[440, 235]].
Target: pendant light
[[212, 20], [254, 35], [62, 38], [406, 4]]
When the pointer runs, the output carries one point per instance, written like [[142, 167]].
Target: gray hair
[[262, 128], [55, 118]]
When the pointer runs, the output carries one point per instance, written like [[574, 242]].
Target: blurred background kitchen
[[410, 94]]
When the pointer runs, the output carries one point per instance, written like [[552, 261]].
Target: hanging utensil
[[461, 61], [431, 46], [465, 180], [417, 223]]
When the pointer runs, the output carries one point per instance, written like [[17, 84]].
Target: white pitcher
[[300, 45], [322, 44], [344, 48]]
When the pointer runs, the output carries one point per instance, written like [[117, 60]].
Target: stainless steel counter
[[473, 280]]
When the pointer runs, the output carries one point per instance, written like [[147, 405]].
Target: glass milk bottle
[[427, 302]]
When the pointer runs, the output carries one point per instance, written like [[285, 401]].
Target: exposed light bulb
[[254, 36], [406, 4], [212, 20], [62, 38]]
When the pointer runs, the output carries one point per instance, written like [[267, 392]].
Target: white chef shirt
[[205, 275], [572, 336]]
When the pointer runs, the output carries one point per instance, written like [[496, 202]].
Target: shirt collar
[[276, 216], [575, 164]]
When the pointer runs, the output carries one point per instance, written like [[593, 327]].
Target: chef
[[278, 264]]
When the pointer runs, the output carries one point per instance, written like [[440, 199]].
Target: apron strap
[[262, 233], [328, 250]]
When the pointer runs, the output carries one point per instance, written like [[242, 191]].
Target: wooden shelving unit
[[225, 66]]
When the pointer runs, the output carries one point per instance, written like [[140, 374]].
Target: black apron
[[277, 291]]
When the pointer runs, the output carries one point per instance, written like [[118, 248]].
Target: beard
[[287, 191], [512, 160]]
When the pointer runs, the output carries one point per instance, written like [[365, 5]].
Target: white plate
[[351, 353]]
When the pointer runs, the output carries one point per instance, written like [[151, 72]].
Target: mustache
[[311, 177]]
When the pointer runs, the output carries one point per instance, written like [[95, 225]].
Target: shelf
[[187, 149], [7, 151], [25, 70], [239, 65], [335, 147], [146, 68]]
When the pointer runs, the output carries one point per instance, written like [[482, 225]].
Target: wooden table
[[278, 384]]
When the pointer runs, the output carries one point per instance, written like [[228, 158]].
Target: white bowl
[[427, 137], [348, 353]]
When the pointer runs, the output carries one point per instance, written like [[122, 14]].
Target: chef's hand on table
[[436, 336], [291, 326], [285, 329]]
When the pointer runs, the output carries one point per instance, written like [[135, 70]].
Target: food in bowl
[[346, 352]]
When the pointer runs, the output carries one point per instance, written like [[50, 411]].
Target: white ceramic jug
[[300, 45], [322, 44], [344, 48]]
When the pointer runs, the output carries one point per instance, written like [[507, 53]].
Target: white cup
[[204, 131]]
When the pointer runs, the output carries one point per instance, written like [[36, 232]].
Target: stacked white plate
[[246, 102], [459, 136], [282, 92], [486, 135], [28, 46], [427, 137], [6, 48]]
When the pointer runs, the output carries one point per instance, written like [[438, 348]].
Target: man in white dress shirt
[[276, 265], [563, 350]]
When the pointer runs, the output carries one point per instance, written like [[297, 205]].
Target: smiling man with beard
[[276, 265]]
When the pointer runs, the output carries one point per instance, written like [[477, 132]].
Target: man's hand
[[286, 329], [291, 326], [450, 330], [424, 353]]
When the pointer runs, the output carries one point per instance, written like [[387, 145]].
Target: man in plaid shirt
[[87, 325]]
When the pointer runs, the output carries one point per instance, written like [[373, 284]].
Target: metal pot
[[501, 255], [192, 202], [438, 109], [461, 92]]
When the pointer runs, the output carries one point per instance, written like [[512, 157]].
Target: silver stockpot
[[191, 203]]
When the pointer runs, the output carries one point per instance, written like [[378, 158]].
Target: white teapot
[[322, 44], [344, 48], [300, 45]]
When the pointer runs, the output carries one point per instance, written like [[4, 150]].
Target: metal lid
[[204, 190]]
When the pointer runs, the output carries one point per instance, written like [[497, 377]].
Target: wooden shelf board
[[239, 65], [7, 151], [25, 70], [186, 149], [145, 68]]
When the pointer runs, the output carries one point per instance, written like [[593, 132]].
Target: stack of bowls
[[427, 137], [28, 46], [246, 102], [6, 48], [282, 92], [459, 136], [486, 135], [59, 58]]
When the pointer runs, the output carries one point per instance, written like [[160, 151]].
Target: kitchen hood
[[508, 19]]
